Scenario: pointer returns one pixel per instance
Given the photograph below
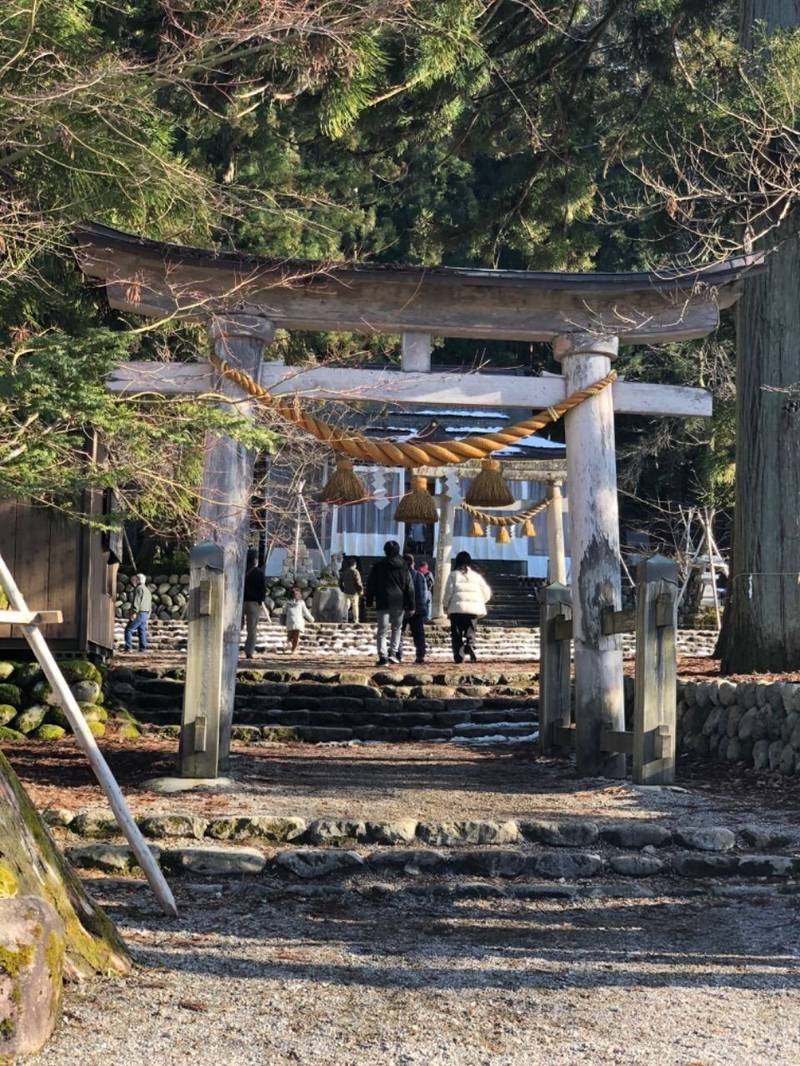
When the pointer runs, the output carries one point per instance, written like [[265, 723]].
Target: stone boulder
[[31, 974], [32, 865]]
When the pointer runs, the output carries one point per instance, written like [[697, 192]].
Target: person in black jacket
[[255, 592], [416, 620], [391, 589]]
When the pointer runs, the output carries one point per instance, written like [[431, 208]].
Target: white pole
[[320, 549], [87, 741], [711, 566]]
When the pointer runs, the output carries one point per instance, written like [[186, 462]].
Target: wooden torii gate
[[585, 317]]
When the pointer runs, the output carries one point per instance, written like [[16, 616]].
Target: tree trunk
[[32, 865], [761, 629]]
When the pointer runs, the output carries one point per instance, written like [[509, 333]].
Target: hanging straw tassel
[[503, 536], [489, 489], [344, 485], [527, 529], [417, 505], [475, 529]]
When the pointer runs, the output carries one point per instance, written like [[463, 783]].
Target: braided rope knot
[[410, 453], [504, 519]]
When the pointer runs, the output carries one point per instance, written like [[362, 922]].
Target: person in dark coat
[[352, 586], [391, 589], [255, 592], [415, 620]]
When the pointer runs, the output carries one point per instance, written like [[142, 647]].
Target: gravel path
[[422, 781], [253, 976]]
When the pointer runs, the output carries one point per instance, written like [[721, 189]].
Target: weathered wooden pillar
[[555, 707], [654, 713], [226, 494], [198, 751], [444, 551], [556, 556], [594, 550]]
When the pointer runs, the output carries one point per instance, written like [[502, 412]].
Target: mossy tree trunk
[[32, 865], [761, 628]]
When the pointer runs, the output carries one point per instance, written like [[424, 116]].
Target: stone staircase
[[322, 705], [514, 602], [337, 641]]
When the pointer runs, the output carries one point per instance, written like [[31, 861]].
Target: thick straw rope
[[507, 520], [417, 452]]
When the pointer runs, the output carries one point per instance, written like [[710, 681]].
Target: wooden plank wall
[[42, 549]]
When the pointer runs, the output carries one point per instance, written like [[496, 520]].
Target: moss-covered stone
[[92, 713], [8, 881], [26, 675], [47, 731], [85, 691], [41, 691], [92, 941], [32, 718], [6, 670], [11, 694], [31, 975], [129, 731], [7, 712], [6, 733], [56, 716], [97, 729], [75, 670]]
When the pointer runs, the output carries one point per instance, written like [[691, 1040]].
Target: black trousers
[[416, 623], [462, 635]]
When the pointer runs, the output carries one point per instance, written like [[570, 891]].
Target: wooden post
[[444, 551], [198, 754], [555, 709], [226, 495], [654, 723], [416, 352], [556, 557], [594, 550]]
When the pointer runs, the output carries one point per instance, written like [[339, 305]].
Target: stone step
[[325, 640]]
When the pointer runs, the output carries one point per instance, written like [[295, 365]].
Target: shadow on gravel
[[637, 944]]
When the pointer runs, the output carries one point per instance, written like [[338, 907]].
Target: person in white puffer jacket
[[465, 597], [296, 614]]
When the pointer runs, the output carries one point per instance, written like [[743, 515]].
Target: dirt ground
[[250, 976], [441, 782]]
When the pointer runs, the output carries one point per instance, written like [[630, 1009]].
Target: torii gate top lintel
[[154, 278]]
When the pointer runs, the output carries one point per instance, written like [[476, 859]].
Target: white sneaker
[[393, 659]]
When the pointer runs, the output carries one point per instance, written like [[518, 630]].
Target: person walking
[[465, 597], [255, 592], [391, 589], [352, 586], [415, 620], [297, 614], [425, 570], [142, 606]]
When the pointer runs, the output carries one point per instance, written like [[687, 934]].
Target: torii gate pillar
[[224, 513], [594, 550]]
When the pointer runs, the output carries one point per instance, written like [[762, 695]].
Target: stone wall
[[755, 723], [170, 590]]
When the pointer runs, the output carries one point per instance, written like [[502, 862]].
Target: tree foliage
[[540, 134]]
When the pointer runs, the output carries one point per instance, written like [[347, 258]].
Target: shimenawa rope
[[406, 453]]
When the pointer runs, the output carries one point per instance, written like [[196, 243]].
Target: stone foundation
[[756, 724]]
